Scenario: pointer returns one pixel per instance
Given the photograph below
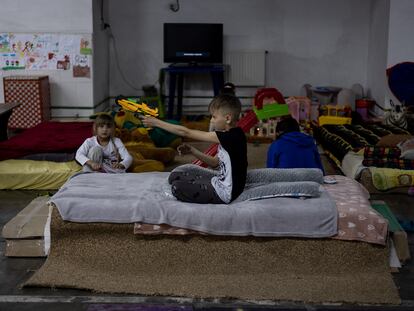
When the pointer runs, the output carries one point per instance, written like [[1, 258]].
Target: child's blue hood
[[298, 138]]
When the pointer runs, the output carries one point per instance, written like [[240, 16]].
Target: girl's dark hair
[[228, 88], [287, 125]]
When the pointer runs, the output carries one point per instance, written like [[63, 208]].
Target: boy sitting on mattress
[[231, 159], [292, 148]]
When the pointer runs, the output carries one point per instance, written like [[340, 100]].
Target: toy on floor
[[300, 108], [335, 114], [268, 103]]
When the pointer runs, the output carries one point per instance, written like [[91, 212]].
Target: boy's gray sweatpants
[[194, 187]]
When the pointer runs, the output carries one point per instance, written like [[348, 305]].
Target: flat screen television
[[194, 43]]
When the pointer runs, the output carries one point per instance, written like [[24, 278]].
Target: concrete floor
[[14, 271]]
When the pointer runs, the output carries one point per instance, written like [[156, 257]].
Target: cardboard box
[[25, 233], [25, 248]]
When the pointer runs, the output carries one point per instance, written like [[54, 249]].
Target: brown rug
[[109, 258]]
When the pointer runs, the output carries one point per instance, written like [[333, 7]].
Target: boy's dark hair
[[228, 88], [287, 125], [103, 119], [228, 103]]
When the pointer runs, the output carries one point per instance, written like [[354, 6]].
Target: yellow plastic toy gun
[[141, 108]]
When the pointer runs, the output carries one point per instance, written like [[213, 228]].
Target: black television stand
[[176, 73]]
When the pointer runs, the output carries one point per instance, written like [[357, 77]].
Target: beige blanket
[[108, 258]]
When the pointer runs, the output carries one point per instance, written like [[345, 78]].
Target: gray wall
[[100, 56], [400, 39], [400, 46], [320, 42], [390, 43], [401, 43], [377, 52]]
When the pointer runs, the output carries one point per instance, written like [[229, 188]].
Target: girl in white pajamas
[[103, 152]]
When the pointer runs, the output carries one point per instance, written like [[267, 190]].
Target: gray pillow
[[269, 175], [280, 189]]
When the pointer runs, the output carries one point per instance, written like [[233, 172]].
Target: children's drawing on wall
[[47, 43], [63, 63], [85, 46], [22, 44], [10, 61], [4, 42], [43, 51], [69, 44], [81, 66]]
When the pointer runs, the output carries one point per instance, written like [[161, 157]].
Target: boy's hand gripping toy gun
[[131, 105]]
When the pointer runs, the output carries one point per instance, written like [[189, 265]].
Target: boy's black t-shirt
[[234, 143]]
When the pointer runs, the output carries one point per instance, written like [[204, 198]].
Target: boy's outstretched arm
[[180, 130]]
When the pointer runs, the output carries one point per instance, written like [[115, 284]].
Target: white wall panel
[[246, 68]]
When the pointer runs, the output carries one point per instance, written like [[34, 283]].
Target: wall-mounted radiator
[[245, 68]]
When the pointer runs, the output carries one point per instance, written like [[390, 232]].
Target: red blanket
[[46, 137]]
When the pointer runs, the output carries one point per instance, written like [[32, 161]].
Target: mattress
[[35, 175], [357, 220], [147, 197], [59, 139]]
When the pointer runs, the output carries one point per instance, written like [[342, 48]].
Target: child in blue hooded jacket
[[292, 149]]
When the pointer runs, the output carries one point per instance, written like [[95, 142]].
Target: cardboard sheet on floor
[[25, 234]]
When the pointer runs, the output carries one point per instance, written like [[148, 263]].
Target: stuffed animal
[[396, 116], [149, 151], [141, 165]]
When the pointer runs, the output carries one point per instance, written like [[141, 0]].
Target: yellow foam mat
[[35, 175]]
